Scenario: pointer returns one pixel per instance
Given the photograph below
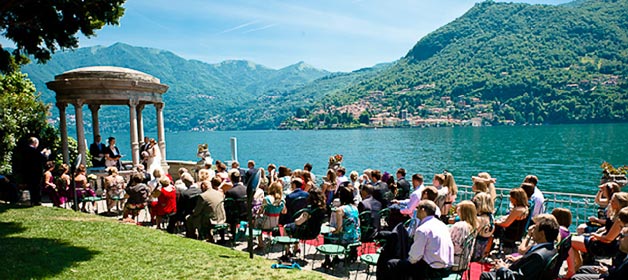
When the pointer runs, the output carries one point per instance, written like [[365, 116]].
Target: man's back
[[370, 204], [403, 189], [532, 264]]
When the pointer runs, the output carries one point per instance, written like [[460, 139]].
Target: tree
[[21, 115], [39, 28]]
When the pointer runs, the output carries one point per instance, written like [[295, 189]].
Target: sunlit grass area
[[51, 243]]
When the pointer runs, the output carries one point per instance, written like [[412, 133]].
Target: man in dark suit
[[403, 187], [368, 203], [531, 265], [33, 169], [295, 201], [185, 202], [381, 192], [250, 173], [237, 193], [97, 151]]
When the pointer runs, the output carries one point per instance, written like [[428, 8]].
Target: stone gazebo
[[107, 85]]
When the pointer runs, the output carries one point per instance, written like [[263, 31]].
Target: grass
[[51, 243]]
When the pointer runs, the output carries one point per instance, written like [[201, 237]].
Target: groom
[[97, 151]]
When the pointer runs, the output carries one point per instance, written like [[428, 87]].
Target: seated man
[[208, 211], [530, 266], [431, 253], [369, 203]]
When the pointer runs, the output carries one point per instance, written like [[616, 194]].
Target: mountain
[[201, 95], [500, 63]]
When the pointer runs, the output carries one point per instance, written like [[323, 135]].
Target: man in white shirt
[[432, 252], [412, 202], [537, 197]]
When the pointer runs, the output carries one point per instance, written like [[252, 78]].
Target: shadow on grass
[[34, 258]]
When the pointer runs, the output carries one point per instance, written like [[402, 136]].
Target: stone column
[[140, 124], [95, 125], [161, 135], [135, 148], [63, 126], [80, 130]]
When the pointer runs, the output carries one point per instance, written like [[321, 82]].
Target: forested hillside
[[500, 63]]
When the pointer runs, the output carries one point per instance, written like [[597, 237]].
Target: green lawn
[[44, 242]]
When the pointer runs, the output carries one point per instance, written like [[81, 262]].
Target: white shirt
[[412, 202], [432, 243], [538, 199]]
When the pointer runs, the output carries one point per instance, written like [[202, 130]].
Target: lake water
[[566, 158]]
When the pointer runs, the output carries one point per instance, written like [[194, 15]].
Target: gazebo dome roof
[[106, 72], [107, 85]]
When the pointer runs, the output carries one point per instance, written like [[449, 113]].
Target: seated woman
[[452, 192], [272, 206], [347, 231], [166, 200], [82, 186], [63, 182], [563, 217], [443, 193], [486, 178], [602, 199], [510, 229], [50, 187], [460, 230], [136, 195], [308, 224], [114, 186], [329, 186], [604, 243], [486, 225]]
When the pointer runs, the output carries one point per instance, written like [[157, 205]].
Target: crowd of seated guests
[[528, 238]]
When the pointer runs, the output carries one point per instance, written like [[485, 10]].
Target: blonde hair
[[450, 183], [484, 203], [480, 186], [468, 213], [276, 190], [354, 175], [622, 201], [203, 175]]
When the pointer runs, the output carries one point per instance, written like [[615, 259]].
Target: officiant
[[112, 154]]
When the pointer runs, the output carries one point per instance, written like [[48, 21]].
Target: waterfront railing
[[582, 206]]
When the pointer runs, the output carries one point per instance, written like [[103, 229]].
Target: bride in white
[[154, 156]]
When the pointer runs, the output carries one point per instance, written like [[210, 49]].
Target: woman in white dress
[[154, 156]]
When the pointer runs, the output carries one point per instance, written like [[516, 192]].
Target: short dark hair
[[234, 175], [431, 193], [367, 188], [346, 195], [531, 179], [401, 171], [342, 170], [417, 177], [528, 188], [548, 224], [307, 166], [376, 174], [563, 216]]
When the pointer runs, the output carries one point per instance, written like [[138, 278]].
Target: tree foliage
[[21, 115], [39, 28]]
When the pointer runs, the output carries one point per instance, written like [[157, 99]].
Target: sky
[[335, 35]]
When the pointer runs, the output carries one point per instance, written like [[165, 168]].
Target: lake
[[566, 158]]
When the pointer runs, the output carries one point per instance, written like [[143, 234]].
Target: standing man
[[403, 187], [381, 192], [250, 173], [97, 151], [33, 169], [431, 253], [145, 145]]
